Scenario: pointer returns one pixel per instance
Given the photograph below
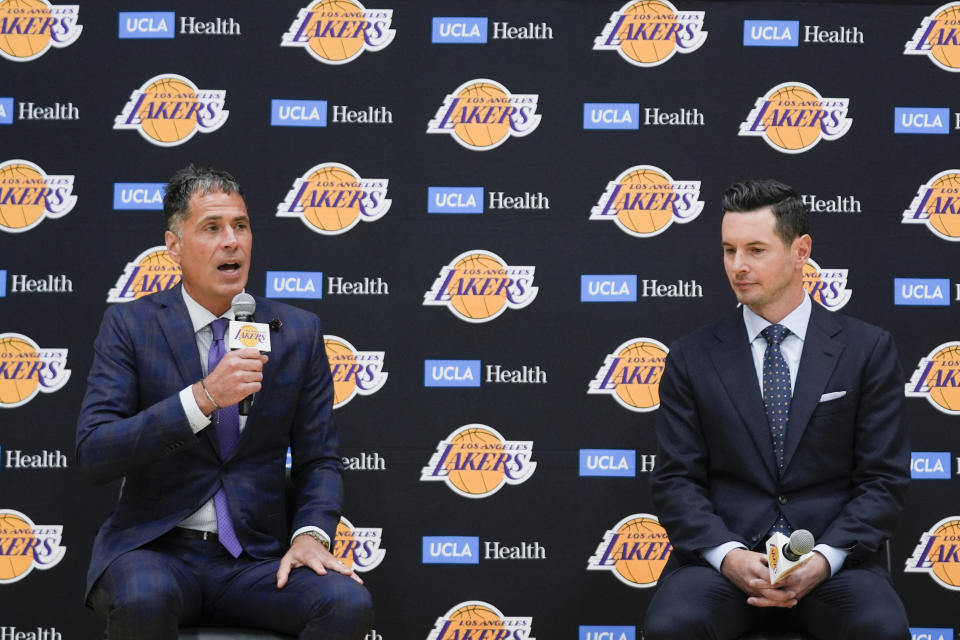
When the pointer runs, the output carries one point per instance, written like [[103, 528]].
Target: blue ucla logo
[[145, 24], [607, 633], [608, 462], [611, 115], [138, 196], [454, 199], [609, 288], [771, 33], [930, 465], [298, 113], [921, 120], [929, 633], [6, 110], [451, 550], [451, 373], [459, 31], [295, 284], [921, 292]]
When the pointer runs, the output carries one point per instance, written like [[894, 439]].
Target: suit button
[[782, 499]]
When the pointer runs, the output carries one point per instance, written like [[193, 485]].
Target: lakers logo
[[169, 109], [477, 619], [938, 553], [28, 195], [354, 372], [635, 550], [937, 205], [248, 336], [937, 37], [151, 271], [25, 546], [647, 33], [331, 198], [631, 374], [476, 461], [644, 201], [773, 557], [937, 378], [478, 286], [338, 31], [826, 286], [26, 370], [482, 114], [358, 548], [28, 28], [792, 118]]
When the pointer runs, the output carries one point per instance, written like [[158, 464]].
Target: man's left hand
[[806, 577], [307, 551]]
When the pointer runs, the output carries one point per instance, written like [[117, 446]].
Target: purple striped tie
[[227, 421]]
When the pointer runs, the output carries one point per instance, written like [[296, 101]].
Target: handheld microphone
[[247, 333], [785, 555]]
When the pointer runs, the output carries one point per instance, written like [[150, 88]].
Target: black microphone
[[243, 306], [800, 544]]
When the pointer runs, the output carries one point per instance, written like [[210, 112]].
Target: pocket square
[[833, 395]]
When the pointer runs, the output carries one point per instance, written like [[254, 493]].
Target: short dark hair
[[188, 181], [793, 219]]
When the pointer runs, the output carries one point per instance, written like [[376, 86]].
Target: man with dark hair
[[200, 533], [782, 416]]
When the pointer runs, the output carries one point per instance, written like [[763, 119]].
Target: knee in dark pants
[[347, 615], [138, 610]]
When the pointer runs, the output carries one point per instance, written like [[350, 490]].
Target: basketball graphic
[[338, 31], [28, 195], [936, 554], [631, 374], [936, 378], [635, 550], [34, 28], [354, 372], [482, 114], [25, 546], [151, 271], [26, 370], [331, 198], [478, 285], [169, 109], [358, 548], [828, 287], [478, 619], [936, 38], [945, 223], [475, 461], [793, 117], [649, 32], [644, 201]]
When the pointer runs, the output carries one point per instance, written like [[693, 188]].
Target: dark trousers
[[695, 602], [150, 592]]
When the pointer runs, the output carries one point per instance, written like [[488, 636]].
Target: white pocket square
[[833, 395]]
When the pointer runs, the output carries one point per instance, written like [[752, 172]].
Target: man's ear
[[173, 245]]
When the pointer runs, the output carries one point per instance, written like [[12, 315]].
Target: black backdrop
[[556, 511]]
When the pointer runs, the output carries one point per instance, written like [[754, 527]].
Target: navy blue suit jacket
[[132, 426], [847, 459]]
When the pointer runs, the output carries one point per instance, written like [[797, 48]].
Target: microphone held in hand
[[800, 544], [246, 333], [784, 555]]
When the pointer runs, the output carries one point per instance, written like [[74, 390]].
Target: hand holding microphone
[[243, 333], [785, 555]]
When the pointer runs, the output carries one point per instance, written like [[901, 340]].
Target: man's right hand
[[748, 571], [237, 375]]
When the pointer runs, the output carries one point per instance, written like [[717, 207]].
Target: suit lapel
[[821, 352], [178, 330], [734, 365]]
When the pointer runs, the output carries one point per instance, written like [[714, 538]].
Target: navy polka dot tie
[[776, 400]]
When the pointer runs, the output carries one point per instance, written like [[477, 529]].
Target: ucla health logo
[[331, 198], [634, 550], [151, 271], [295, 284], [937, 205], [771, 33], [793, 117], [146, 24], [298, 113], [826, 286], [482, 114], [460, 30], [475, 461], [26, 370], [930, 465], [169, 109], [358, 548], [29, 29], [28, 195], [354, 371], [631, 374], [25, 546], [926, 292], [644, 201], [937, 378], [937, 554], [338, 31], [937, 38], [647, 33], [608, 462], [478, 286], [451, 373], [478, 619], [138, 196]]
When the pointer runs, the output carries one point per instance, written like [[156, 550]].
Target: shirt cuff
[[317, 530], [714, 556], [835, 556], [195, 417]]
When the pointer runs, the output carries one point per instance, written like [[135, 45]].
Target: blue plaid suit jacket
[[132, 426]]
